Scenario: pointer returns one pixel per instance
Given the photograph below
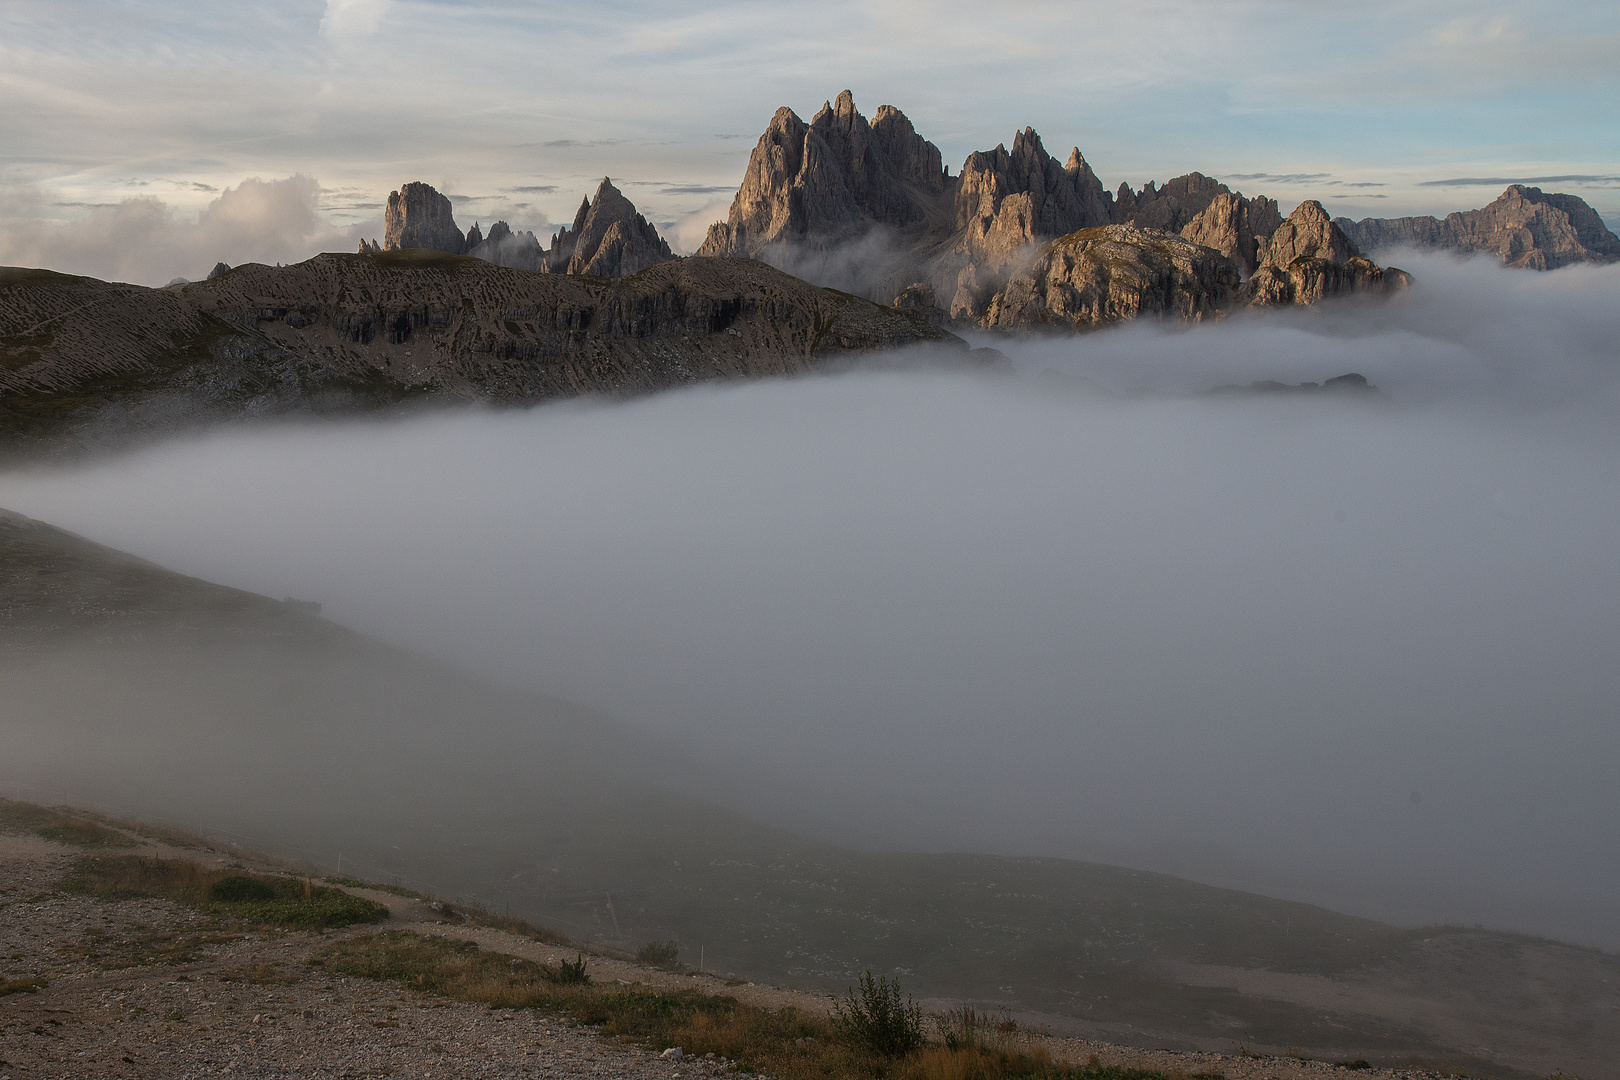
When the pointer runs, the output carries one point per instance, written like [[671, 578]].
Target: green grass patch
[[785, 1043], [60, 826], [291, 902]]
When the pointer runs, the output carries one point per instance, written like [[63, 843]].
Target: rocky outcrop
[[1238, 228], [1112, 273], [419, 217], [1170, 208], [830, 180], [344, 332], [1525, 227], [503, 247], [1006, 199], [368, 247], [610, 239], [1105, 275], [1309, 258], [1205, 211], [219, 269]]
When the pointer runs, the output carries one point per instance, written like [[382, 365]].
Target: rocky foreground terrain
[[92, 362], [94, 986]]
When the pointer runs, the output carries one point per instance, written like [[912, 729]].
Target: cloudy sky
[[142, 138]]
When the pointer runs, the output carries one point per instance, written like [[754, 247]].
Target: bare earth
[[148, 988]]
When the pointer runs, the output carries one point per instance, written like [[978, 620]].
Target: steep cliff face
[[1525, 227], [85, 361], [419, 217], [832, 179], [1112, 273], [610, 239], [1006, 199], [1238, 228], [1309, 258], [1103, 275]]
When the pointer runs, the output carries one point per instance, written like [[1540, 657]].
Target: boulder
[[419, 217]]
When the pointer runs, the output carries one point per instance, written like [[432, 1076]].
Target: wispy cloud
[[1585, 179]]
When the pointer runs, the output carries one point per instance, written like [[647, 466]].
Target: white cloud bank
[[1357, 652], [148, 242]]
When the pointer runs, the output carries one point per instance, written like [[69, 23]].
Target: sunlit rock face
[[1111, 273], [868, 208], [832, 179], [1309, 258], [1525, 227], [419, 217]]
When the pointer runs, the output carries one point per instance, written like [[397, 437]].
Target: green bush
[[875, 1017], [568, 974], [660, 953], [238, 887]]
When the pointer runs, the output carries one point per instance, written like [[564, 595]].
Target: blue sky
[[515, 109]]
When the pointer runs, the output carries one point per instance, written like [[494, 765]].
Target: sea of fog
[[1355, 650]]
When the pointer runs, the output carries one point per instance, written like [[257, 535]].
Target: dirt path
[[146, 988]]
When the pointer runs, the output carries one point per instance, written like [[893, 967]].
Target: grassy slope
[[544, 809]]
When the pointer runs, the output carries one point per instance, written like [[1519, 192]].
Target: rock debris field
[[149, 988]]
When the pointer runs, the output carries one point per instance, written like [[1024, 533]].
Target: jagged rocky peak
[[474, 237], [1006, 199], [503, 247], [610, 239], [1525, 227], [831, 179], [369, 247], [419, 217], [1236, 227], [1170, 208], [1309, 234], [1205, 211], [1309, 258]]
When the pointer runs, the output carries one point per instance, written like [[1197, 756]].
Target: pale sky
[[516, 109]]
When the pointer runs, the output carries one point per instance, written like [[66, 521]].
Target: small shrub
[[1359, 1063], [875, 1017], [568, 973], [660, 953]]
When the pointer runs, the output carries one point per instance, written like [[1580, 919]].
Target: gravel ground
[[147, 988]]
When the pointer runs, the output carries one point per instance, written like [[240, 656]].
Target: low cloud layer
[[146, 241], [1353, 651]]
